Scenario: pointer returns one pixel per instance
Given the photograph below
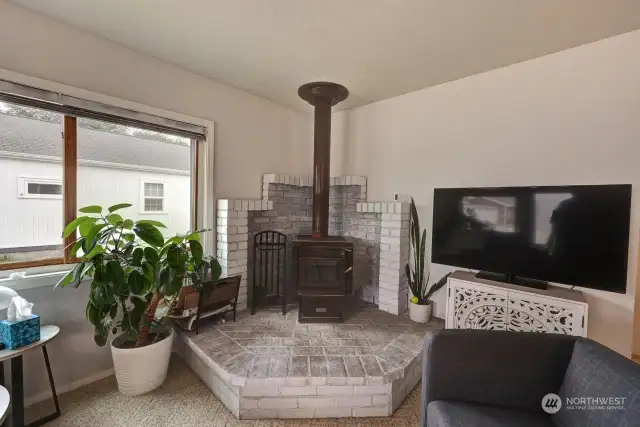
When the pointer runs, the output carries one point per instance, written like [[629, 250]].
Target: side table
[[47, 333]]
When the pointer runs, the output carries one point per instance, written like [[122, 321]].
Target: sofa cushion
[[451, 413], [597, 372]]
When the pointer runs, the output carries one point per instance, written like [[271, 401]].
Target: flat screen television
[[575, 235]]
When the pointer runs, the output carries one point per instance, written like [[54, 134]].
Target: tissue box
[[21, 332]]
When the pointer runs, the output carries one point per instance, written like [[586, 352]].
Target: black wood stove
[[323, 264]]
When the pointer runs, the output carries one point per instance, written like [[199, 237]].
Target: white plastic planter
[[420, 313], [140, 370]]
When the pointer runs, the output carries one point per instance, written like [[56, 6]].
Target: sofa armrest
[[511, 369]]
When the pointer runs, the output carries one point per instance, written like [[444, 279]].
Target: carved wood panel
[[476, 309], [528, 315]]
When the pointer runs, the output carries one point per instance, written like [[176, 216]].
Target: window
[[53, 162], [39, 188], [153, 195], [31, 172]]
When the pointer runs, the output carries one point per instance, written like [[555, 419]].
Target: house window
[[153, 197], [59, 163], [39, 188]]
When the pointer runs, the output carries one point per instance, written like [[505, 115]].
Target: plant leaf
[[196, 251], [127, 224], [95, 209], [136, 314], [114, 219], [76, 247], [116, 273], [100, 335], [135, 283], [70, 228], [66, 279], [85, 227], [119, 206], [136, 257], [151, 222], [151, 255], [93, 232], [173, 256], [149, 234], [216, 269], [95, 251]]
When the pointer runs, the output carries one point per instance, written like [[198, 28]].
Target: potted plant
[[420, 306], [132, 269]]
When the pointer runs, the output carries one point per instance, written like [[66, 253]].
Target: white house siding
[[39, 222], [28, 222]]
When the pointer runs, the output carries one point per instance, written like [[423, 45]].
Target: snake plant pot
[[140, 370], [420, 313]]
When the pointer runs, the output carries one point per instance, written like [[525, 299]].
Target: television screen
[[576, 235]]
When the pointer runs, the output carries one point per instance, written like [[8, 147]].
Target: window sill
[[36, 280]]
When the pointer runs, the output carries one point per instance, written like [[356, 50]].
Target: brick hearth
[[380, 232], [269, 366]]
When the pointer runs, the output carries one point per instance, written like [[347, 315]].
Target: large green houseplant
[[420, 306], [132, 268]]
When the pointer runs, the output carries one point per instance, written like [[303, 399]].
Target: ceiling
[[377, 48]]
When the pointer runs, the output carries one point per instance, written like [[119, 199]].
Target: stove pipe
[[323, 96]]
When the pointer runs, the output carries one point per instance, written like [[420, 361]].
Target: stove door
[[322, 275]]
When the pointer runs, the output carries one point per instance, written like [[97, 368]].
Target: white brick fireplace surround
[[379, 230]]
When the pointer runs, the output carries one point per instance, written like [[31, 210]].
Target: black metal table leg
[[17, 393], [56, 414]]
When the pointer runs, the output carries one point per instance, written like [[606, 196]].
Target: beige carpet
[[185, 401]]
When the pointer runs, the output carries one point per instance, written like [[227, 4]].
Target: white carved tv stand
[[474, 303]]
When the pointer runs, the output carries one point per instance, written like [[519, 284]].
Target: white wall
[[252, 136], [568, 118]]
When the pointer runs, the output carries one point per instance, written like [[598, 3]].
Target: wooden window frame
[[70, 200]]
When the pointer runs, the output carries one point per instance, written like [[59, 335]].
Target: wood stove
[[323, 264]]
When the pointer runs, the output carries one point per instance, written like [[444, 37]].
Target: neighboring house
[[151, 173], [499, 212]]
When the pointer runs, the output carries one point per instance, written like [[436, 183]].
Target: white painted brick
[[310, 390], [249, 403], [336, 381], [278, 403], [374, 411], [333, 412], [242, 214], [223, 204], [335, 390], [269, 177], [227, 214], [243, 229], [353, 401], [355, 381], [316, 380], [296, 413], [237, 205], [381, 399], [223, 229], [245, 205], [260, 391], [375, 380], [295, 382], [316, 402]]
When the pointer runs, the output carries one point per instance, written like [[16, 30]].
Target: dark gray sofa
[[474, 378]]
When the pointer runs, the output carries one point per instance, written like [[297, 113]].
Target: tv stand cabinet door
[[536, 313], [471, 306]]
